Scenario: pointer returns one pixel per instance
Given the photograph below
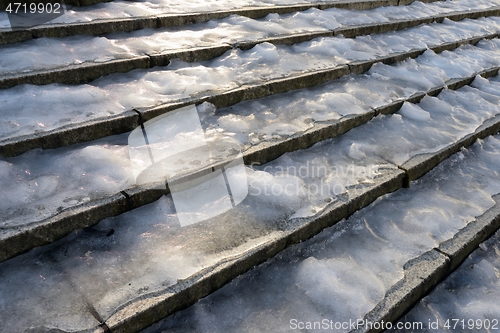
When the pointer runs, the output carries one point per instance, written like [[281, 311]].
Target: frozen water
[[35, 190], [470, 293], [342, 273], [44, 297], [415, 129], [61, 52], [27, 109], [146, 250], [448, 61], [489, 86], [41, 183]]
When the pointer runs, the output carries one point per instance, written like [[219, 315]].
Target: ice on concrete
[[36, 295], [342, 273], [42, 183], [491, 86], [470, 293], [476, 59], [455, 113], [61, 52], [146, 250], [27, 109], [428, 127], [280, 116]]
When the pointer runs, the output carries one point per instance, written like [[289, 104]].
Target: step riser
[[432, 268], [3, 5], [140, 267], [143, 313]]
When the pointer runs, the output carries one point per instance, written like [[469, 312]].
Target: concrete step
[[36, 227], [75, 70], [369, 178], [471, 283], [363, 273], [67, 130], [69, 3]]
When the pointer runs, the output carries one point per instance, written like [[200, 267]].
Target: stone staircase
[[369, 131]]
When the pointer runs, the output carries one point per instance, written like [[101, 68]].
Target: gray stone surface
[[425, 272], [419, 165], [421, 276], [71, 134], [14, 241], [261, 153]]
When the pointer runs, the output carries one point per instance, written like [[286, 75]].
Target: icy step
[[53, 204], [110, 99], [136, 259], [471, 293], [82, 59], [53, 53], [367, 261], [282, 116], [102, 19], [142, 265]]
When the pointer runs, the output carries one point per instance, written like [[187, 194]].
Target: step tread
[[245, 247], [389, 137], [391, 265], [35, 230], [125, 96]]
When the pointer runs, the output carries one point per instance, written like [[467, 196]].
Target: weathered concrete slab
[[261, 153], [71, 134], [268, 151], [284, 40], [191, 55], [421, 274], [76, 74], [421, 164], [14, 241]]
